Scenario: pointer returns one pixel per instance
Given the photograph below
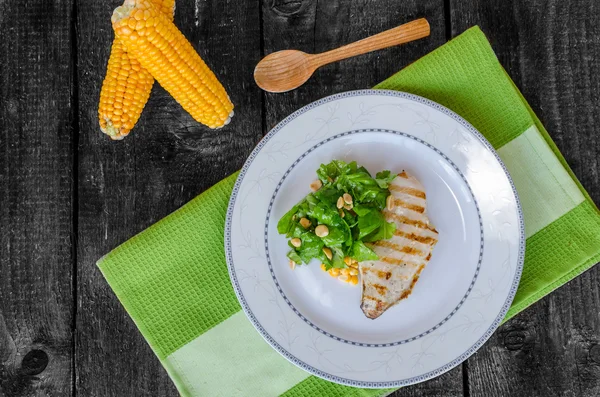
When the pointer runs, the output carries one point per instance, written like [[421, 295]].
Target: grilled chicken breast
[[402, 258]]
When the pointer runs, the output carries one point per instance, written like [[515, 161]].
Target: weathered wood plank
[[551, 50], [36, 198], [316, 26], [169, 159]]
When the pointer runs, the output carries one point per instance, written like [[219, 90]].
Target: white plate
[[314, 320]]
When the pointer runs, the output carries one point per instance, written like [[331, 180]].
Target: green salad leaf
[[361, 252], [293, 255], [384, 178], [384, 232], [348, 227]]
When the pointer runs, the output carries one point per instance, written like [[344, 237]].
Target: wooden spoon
[[285, 70]]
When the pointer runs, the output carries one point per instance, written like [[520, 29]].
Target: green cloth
[[173, 280]]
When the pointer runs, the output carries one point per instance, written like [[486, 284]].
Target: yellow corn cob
[[161, 48], [126, 87]]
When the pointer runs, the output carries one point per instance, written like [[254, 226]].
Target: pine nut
[[322, 231], [296, 242], [347, 198], [348, 206], [389, 203], [328, 253], [340, 203], [292, 264], [316, 185], [342, 213], [305, 223]]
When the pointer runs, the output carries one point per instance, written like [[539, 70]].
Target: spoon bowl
[[284, 70]]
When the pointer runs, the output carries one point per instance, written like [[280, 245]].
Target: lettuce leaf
[[361, 252], [369, 222], [384, 178], [293, 255], [384, 232]]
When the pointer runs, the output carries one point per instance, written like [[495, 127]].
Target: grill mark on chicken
[[380, 288], [412, 207], [372, 298], [408, 190], [381, 274], [415, 237], [393, 261], [404, 261], [402, 219], [404, 248]]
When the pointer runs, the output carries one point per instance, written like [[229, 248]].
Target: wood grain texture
[[317, 26], [36, 198], [167, 160], [551, 49]]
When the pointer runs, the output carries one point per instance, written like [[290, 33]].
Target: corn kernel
[[334, 271], [353, 280], [353, 271], [344, 271], [323, 267]]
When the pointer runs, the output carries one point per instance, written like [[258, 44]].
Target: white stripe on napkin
[[545, 189], [232, 359]]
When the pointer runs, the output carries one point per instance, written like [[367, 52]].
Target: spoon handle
[[399, 35]]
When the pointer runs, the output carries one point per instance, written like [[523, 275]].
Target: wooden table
[[68, 195]]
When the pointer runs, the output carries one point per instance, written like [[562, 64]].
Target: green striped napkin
[[173, 280]]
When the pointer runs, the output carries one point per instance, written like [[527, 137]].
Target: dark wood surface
[[37, 160], [68, 195]]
